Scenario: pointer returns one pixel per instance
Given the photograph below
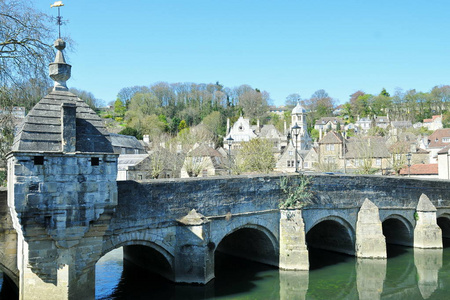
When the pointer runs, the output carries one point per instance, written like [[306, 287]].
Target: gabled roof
[[204, 151], [125, 141], [325, 120], [436, 138], [332, 138], [444, 150], [269, 132], [41, 129]]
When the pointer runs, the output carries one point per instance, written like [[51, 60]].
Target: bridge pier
[[65, 283], [293, 250], [370, 241], [194, 254], [427, 233]]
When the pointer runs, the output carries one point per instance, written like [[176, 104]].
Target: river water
[[406, 274]]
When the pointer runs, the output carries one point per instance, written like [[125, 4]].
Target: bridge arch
[[147, 254], [250, 241], [332, 233], [443, 221], [398, 230]]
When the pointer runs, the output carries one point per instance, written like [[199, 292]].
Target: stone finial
[[425, 204], [59, 70], [193, 218]]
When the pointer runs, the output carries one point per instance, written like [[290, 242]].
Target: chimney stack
[[68, 126]]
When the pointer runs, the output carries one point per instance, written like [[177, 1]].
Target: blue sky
[[282, 47]]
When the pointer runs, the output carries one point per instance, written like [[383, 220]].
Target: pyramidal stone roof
[[43, 128]]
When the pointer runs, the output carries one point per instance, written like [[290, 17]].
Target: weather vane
[[59, 22]]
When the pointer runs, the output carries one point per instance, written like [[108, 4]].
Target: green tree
[[131, 131], [256, 156], [214, 123], [119, 108], [315, 134], [446, 120], [182, 125]]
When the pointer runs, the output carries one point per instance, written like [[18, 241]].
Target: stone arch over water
[[252, 242], [398, 230], [444, 223], [146, 254], [332, 233]]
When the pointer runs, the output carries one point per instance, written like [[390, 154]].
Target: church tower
[[298, 116]]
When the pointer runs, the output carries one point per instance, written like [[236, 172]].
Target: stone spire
[[59, 70]]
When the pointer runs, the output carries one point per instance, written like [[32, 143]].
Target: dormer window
[[446, 140]]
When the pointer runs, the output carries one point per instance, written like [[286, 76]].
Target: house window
[[289, 163], [291, 153], [305, 164], [446, 140], [330, 147], [139, 177], [378, 162]]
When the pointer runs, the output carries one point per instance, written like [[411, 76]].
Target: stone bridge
[[175, 227]]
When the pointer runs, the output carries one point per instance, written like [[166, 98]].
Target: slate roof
[[332, 138], [126, 141], [126, 160], [325, 120], [41, 129], [269, 132], [204, 150]]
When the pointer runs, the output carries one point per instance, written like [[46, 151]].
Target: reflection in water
[[293, 284], [428, 262], [409, 274], [370, 275]]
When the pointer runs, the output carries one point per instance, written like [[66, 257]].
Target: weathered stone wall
[[8, 240], [59, 205], [174, 198]]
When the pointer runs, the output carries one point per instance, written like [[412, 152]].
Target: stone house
[[141, 166], [364, 124], [126, 144], [329, 123], [382, 121], [330, 151], [278, 110], [444, 163], [438, 140], [307, 160], [204, 161], [434, 123], [240, 132], [133, 167], [367, 152]]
